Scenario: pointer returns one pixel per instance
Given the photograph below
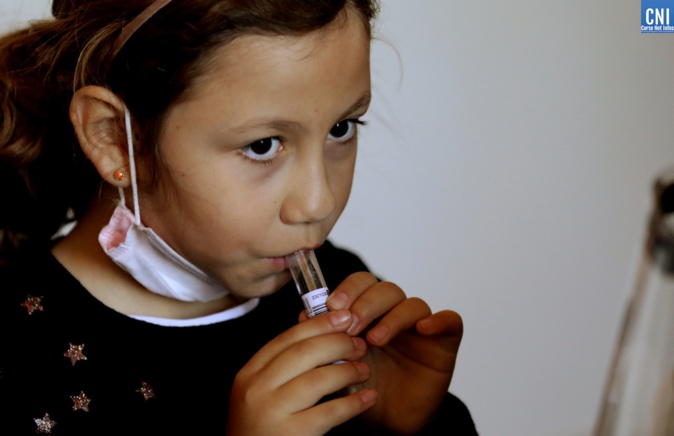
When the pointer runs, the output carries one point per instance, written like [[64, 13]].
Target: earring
[[118, 175]]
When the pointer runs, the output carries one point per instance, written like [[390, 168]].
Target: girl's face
[[260, 155]]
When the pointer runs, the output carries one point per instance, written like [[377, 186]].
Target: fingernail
[[378, 334], [425, 324], [359, 343], [368, 396], [338, 301], [354, 325], [362, 367], [340, 318]]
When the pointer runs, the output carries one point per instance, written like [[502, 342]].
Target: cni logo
[[657, 16]]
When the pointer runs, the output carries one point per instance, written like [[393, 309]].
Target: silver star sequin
[[81, 402], [147, 391], [75, 353], [32, 304], [44, 424]]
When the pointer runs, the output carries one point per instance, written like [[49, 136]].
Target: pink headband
[[133, 26]]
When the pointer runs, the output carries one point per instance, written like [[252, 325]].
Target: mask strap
[[132, 166]]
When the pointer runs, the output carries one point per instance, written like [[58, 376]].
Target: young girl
[[195, 144]]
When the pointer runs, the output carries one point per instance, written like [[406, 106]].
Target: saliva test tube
[[309, 281], [314, 292]]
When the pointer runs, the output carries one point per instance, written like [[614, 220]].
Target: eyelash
[[242, 151], [355, 121]]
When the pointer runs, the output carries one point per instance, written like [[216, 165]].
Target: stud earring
[[118, 175]]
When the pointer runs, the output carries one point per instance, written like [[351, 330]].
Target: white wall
[[506, 174]]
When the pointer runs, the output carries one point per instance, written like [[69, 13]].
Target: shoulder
[[36, 272], [38, 297], [29, 371], [17, 278]]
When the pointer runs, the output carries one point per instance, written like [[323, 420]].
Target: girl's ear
[[97, 115]]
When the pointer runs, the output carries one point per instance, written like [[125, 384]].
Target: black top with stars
[[70, 365]]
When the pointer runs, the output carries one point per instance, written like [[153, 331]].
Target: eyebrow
[[364, 100], [279, 124]]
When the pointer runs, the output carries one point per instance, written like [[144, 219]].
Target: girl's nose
[[310, 196]]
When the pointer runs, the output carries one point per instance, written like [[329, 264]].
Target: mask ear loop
[[132, 166]]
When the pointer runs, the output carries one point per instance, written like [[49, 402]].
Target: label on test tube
[[314, 301]]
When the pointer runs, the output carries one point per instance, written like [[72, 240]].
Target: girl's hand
[[412, 351], [277, 391]]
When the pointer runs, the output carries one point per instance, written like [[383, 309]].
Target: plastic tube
[[309, 281], [314, 292]]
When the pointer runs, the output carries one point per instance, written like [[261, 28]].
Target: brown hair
[[45, 180]]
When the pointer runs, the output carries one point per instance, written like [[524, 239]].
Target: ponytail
[[43, 173]]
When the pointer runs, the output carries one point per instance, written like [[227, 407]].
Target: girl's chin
[[263, 287]]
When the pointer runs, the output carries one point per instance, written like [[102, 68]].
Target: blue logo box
[[657, 16]]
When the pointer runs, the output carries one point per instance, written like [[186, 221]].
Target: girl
[[195, 144]]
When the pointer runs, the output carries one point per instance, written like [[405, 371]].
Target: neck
[[81, 254]]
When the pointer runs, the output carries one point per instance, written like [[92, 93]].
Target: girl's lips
[[311, 248], [278, 262]]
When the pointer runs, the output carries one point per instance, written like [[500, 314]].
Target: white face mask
[[143, 254]]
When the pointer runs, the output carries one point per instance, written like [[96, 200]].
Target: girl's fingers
[[445, 322], [313, 385], [378, 301], [403, 316], [330, 322], [436, 341], [303, 316], [338, 410], [350, 289], [367, 299], [343, 296], [308, 354]]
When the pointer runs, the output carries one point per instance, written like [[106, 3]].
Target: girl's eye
[[262, 149], [344, 130]]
